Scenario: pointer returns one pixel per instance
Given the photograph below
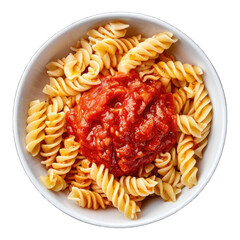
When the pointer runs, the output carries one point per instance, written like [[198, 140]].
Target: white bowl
[[34, 78]]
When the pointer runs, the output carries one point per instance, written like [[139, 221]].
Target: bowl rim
[[103, 16]]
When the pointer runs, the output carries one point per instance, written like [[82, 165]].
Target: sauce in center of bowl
[[124, 122]]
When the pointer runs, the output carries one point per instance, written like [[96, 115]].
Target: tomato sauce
[[124, 122]]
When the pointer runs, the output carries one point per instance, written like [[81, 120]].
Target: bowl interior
[[34, 78]]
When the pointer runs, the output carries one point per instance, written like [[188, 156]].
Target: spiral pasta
[[82, 43], [114, 191], [188, 125], [67, 156], [148, 74], [75, 64], [148, 49], [86, 198], [186, 161], [55, 127], [180, 98], [201, 143], [35, 126], [167, 170], [113, 46], [59, 87], [166, 191], [109, 61], [50, 125], [145, 170], [55, 68], [137, 186], [188, 108], [55, 105], [95, 188], [82, 177], [202, 105], [110, 30], [53, 181], [70, 176], [179, 71]]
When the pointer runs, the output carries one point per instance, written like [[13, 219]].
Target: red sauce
[[123, 122]]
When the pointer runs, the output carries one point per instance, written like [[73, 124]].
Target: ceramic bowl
[[34, 78]]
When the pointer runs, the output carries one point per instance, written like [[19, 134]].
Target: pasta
[[188, 125], [113, 46], [53, 181], [82, 177], [107, 58], [137, 186], [202, 105], [148, 49], [55, 127], [114, 191], [166, 191], [55, 69], [186, 161], [67, 157], [179, 71], [110, 30], [35, 126], [166, 169], [87, 198], [180, 98]]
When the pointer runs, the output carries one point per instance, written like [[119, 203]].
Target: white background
[[213, 25]]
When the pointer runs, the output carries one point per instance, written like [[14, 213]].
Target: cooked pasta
[[113, 46], [55, 127], [180, 98], [186, 161], [148, 49], [86, 198], [67, 156], [114, 191], [110, 30], [35, 126], [56, 105], [53, 181], [81, 179], [188, 125], [61, 87], [55, 68], [167, 170], [166, 191], [188, 108], [138, 186], [179, 71], [148, 74], [202, 105], [56, 133], [145, 170], [201, 142]]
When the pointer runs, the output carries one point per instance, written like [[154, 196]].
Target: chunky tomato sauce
[[123, 122]]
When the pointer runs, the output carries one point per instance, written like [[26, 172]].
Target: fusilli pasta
[[106, 51], [148, 49], [114, 191], [35, 126], [186, 161], [179, 71], [137, 186], [53, 181], [55, 127], [166, 191], [86, 198], [110, 30]]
